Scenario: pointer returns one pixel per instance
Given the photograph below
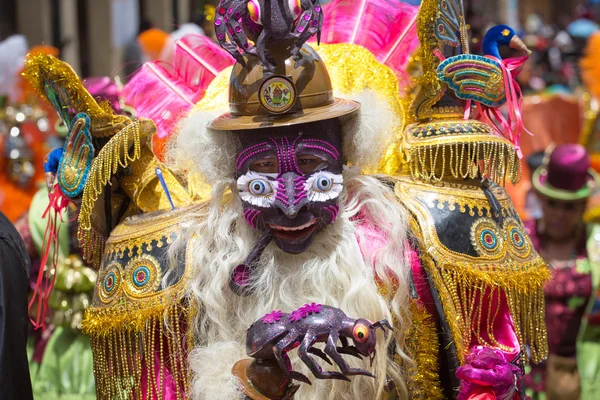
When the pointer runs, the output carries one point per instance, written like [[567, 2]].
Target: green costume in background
[[588, 344]]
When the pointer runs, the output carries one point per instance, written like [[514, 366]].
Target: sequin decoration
[[519, 244], [110, 285], [486, 238], [449, 22], [143, 275], [474, 77], [76, 161]]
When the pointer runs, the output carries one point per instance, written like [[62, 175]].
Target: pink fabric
[[487, 374], [391, 35], [164, 92], [503, 327], [105, 88], [169, 386], [512, 126]]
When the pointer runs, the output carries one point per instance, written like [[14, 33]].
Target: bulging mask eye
[[360, 333], [322, 184], [260, 187], [256, 189]]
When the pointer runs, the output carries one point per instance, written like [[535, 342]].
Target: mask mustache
[[372, 358]]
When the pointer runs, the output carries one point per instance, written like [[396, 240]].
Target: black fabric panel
[[15, 382]]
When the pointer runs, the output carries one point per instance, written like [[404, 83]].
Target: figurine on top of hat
[[298, 243]]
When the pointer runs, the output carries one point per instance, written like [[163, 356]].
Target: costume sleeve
[[14, 270]]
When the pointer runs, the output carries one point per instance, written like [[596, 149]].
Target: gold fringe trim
[[139, 352], [422, 347], [465, 160], [467, 291], [122, 149], [41, 68]]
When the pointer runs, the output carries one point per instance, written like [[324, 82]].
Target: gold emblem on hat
[[277, 94]]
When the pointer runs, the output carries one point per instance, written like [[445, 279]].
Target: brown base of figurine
[[263, 380]]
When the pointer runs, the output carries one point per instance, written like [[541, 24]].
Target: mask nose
[[290, 198]]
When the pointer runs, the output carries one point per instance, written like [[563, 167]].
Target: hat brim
[[339, 108], [541, 185], [240, 371]]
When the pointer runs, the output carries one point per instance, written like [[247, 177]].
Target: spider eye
[[254, 11], [505, 32], [361, 333], [295, 7], [322, 184], [260, 187]]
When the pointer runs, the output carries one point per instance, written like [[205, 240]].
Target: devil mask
[[289, 180]]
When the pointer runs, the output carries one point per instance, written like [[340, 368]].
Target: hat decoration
[[444, 138]]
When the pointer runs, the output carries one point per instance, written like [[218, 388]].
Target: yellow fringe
[[464, 160], [114, 155], [422, 347], [463, 286], [122, 355]]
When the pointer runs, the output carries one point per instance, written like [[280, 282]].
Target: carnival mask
[[289, 180]]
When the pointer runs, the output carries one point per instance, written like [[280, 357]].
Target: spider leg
[[309, 23], [319, 353], [262, 51], [350, 350], [316, 18], [278, 352], [347, 349], [236, 30], [310, 362], [226, 25], [331, 351]]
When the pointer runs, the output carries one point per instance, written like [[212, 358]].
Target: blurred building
[[92, 34]]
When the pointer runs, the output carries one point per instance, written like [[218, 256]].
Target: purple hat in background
[[566, 175]]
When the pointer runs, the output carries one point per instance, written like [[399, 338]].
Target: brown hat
[[298, 92]]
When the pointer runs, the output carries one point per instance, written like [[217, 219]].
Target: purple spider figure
[[310, 324], [281, 24]]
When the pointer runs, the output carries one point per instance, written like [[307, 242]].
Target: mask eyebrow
[[322, 145], [250, 152]]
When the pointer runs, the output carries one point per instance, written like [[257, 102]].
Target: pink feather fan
[[387, 28], [164, 92]]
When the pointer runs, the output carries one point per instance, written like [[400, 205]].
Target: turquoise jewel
[[141, 276], [517, 238], [110, 282], [488, 239]]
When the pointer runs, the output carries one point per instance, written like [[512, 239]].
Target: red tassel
[[59, 202]]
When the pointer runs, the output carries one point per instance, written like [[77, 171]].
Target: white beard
[[338, 270]]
